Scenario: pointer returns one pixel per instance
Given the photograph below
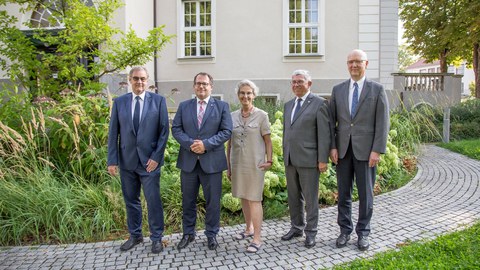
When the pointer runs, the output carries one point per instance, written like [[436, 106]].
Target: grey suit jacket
[[306, 139], [215, 130], [125, 147], [369, 127]]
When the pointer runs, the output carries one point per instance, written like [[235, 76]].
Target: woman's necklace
[[247, 114]]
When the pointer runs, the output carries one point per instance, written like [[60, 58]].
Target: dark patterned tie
[[299, 105], [136, 114], [354, 100]]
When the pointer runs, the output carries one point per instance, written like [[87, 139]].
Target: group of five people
[[350, 129]]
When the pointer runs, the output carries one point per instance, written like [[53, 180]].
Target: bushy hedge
[[58, 148]]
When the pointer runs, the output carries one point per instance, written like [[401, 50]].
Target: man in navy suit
[[137, 139], [360, 122], [201, 125]]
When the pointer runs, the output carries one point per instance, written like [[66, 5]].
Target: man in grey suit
[[360, 120], [137, 138], [202, 125], [306, 144]]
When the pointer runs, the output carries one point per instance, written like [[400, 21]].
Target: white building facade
[[262, 40]]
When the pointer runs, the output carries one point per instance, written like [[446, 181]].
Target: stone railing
[[433, 89]]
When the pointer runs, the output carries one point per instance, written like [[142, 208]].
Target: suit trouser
[[212, 191], [302, 188], [348, 169], [132, 182]]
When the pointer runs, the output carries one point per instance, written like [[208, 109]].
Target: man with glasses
[[306, 145], [137, 139], [201, 126], [360, 123]]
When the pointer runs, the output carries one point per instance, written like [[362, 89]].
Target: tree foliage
[[406, 57], [447, 30], [83, 47]]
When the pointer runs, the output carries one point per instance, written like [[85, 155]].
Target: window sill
[[200, 59], [304, 58]]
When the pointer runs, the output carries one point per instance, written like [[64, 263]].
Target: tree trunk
[[476, 68], [443, 61]]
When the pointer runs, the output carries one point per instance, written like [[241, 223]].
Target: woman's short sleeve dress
[[247, 152]]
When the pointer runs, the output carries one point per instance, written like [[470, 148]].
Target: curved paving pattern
[[444, 196]]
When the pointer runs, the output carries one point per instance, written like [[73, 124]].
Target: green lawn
[[470, 148], [458, 250]]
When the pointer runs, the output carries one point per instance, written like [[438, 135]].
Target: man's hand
[[322, 167], [374, 159], [334, 155], [151, 165], [197, 147], [112, 170]]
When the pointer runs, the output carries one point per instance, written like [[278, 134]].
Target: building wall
[[249, 44]]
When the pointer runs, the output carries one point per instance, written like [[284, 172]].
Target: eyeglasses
[[297, 82], [198, 84], [357, 62], [143, 79]]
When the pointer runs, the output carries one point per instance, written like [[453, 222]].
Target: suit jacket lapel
[[146, 106], [128, 106], [193, 110], [305, 104], [208, 110], [365, 92], [288, 112], [344, 97]]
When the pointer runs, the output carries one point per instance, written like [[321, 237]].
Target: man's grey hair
[[137, 69], [362, 53], [303, 73], [248, 83]]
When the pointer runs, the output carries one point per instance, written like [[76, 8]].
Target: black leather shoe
[[131, 242], [157, 247], [362, 243], [186, 239], [309, 241], [291, 234], [342, 240], [212, 243]]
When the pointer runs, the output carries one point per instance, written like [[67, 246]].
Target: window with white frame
[[196, 33], [304, 27]]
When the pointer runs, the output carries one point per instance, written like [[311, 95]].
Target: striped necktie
[[201, 112]]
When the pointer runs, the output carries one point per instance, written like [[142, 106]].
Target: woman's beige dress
[[247, 153]]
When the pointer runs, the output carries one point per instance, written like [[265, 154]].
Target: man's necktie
[[297, 108], [354, 100], [136, 114], [201, 112]]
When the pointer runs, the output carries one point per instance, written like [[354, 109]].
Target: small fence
[[433, 89]]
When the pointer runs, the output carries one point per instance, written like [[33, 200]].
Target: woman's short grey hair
[[248, 83], [303, 73]]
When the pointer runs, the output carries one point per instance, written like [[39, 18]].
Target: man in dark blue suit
[[202, 125], [137, 139]]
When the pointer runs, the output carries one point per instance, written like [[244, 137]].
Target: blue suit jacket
[[125, 147], [215, 130]]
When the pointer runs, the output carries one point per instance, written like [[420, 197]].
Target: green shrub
[[465, 120]]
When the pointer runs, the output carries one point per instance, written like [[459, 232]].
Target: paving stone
[[442, 198]]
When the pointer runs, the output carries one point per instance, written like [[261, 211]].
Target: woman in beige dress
[[249, 155]]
